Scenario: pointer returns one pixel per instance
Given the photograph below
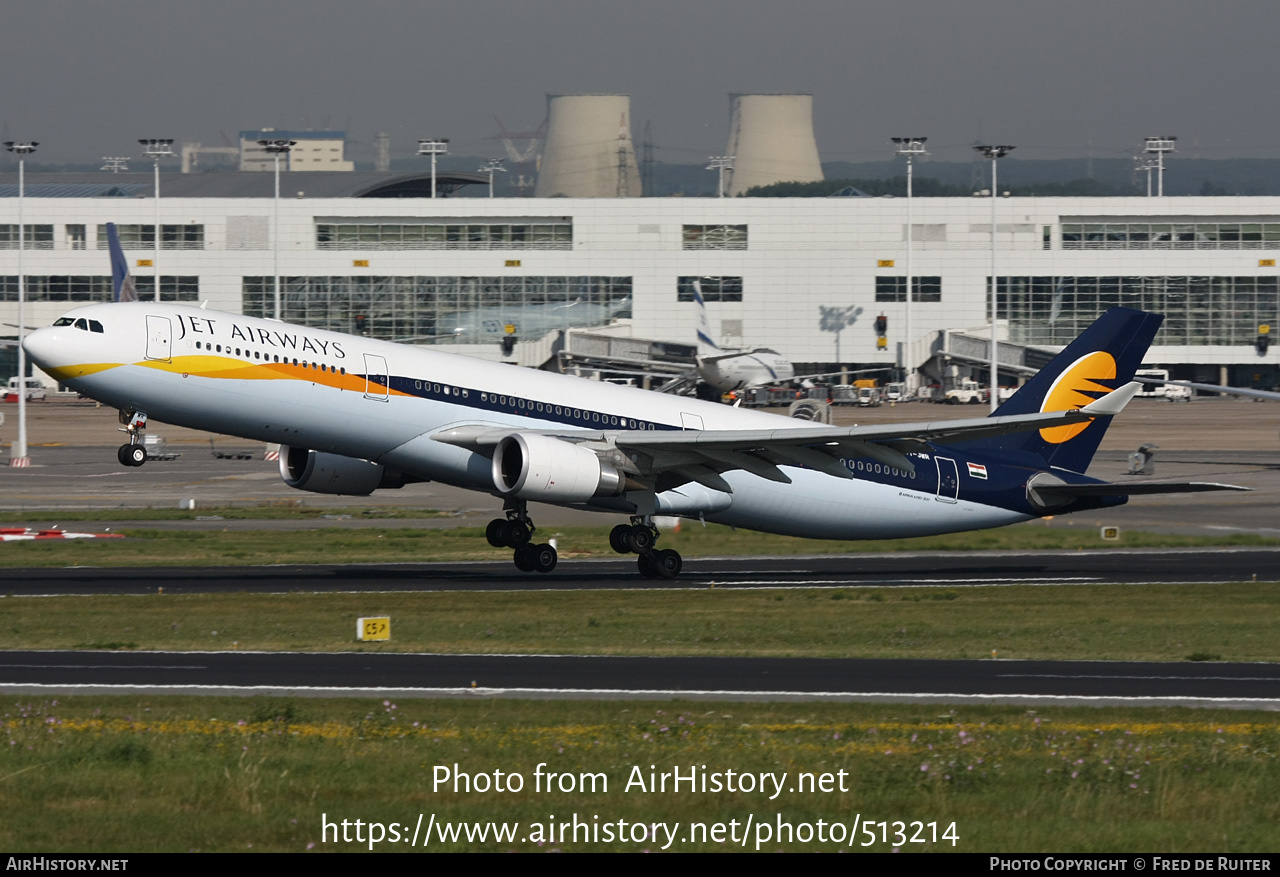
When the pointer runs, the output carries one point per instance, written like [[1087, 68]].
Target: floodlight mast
[[433, 148], [995, 153], [277, 148], [1159, 146], [18, 452], [910, 147], [721, 163], [156, 150], [490, 167]]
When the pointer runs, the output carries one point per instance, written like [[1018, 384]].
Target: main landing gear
[[133, 453], [639, 537], [516, 531]]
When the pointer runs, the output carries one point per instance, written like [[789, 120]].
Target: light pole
[[995, 153], [909, 147], [1159, 146], [433, 148], [493, 165], [156, 150], [277, 148], [721, 163], [18, 453]]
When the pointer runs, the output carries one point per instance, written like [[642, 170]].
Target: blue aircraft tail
[[1102, 359], [122, 288]]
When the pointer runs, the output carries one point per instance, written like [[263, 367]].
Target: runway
[[1255, 686], [925, 569]]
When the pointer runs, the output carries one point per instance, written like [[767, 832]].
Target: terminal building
[[373, 254]]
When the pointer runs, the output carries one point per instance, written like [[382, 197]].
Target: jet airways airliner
[[353, 415]]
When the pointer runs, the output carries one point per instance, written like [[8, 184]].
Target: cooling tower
[[771, 140], [588, 152]]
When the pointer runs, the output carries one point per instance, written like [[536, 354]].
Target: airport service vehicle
[[1155, 385], [354, 415], [968, 392], [869, 397], [35, 390]]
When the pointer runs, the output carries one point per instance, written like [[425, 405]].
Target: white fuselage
[[378, 401]]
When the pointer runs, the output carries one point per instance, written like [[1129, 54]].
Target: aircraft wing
[[1215, 388], [701, 455]]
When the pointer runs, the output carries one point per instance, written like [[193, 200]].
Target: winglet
[[1114, 402]]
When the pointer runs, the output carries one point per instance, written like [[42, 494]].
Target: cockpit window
[[62, 321], [82, 323], [95, 326]]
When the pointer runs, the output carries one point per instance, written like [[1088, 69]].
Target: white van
[[35, 390]]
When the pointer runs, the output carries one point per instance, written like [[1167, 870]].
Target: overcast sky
[[87, 78]]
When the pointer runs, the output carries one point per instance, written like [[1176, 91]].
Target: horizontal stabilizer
[[1072, 490]]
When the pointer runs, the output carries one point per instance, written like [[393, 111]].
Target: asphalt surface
[[1225, 685], [74, 467], [942, 569]]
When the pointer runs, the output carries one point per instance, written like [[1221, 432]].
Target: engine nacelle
[[547, 469], [331, 473]]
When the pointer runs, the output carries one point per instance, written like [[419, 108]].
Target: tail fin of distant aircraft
[[122, 288], [1102, 359], [706, 347]]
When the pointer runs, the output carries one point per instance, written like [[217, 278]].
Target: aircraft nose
[[41, 347]]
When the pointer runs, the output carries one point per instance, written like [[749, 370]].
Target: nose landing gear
[[133, 453]]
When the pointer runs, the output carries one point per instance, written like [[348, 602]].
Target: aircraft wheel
[[618, 539], [639, 538], [648, 568], [544, 557], [518, 533], [120, 455], [667, 563], [136, 455], [524, 558], [496, 533]]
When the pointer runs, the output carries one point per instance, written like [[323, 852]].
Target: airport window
[[143, 237], [715, 237], [35, 237], [1198, 310], [714, 289], [532, 233], [443, 310], [89, 288], [1164, 235], [182, 288], [922, 289]]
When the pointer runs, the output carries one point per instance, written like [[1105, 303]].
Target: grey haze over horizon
[[88, 79]]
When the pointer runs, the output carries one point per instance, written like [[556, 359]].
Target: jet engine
[[331, 473], [539, 467]]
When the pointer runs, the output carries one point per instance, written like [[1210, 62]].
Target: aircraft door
[[159, 338], [948, 479], [690, 421], [376, 377]]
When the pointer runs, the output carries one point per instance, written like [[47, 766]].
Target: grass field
[[233, 774], [1239, 622], [332, 544]]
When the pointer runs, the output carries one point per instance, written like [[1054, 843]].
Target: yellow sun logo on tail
[[1072, 389]]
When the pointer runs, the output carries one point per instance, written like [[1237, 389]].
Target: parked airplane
[[717, 371], [727, 371], [354, 414]]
